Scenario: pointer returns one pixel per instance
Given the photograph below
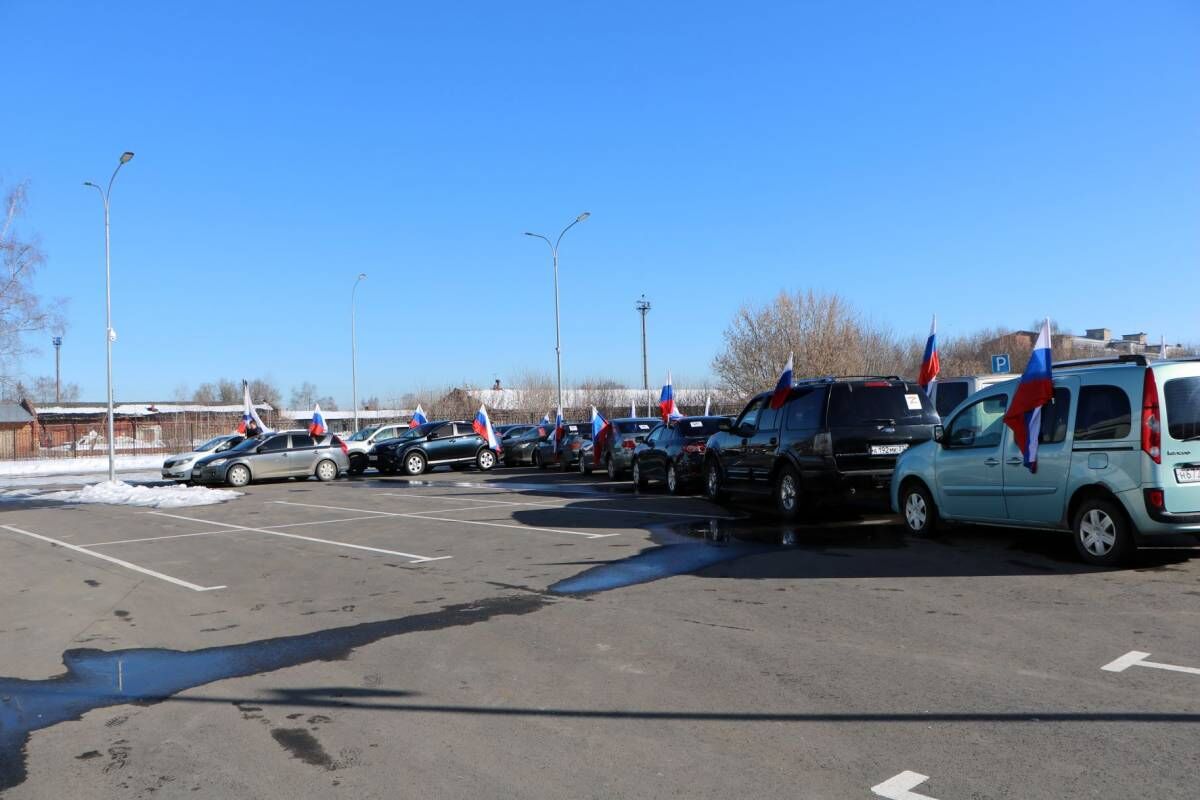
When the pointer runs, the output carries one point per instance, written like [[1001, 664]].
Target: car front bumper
[[177, 473]]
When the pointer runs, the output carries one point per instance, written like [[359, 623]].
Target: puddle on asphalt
[[96, 679]]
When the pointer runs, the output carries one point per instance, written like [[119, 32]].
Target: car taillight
[[629, 444], [1151, 419], [1155, 499], [694, 447]]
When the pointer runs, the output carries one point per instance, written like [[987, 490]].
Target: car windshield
[[882, 401], [1183, 407], [701, 426], [212, 443], [364, 434], [248, 444], [638, 426]]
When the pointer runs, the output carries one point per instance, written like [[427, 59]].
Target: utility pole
[[57, 369], [643, 308]]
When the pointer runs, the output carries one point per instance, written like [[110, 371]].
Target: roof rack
[[1127, 358], [836, 378]]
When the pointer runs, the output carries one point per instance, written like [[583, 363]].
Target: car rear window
[[697, 427], [635, 426], [1103, 413], [1182, 396], [873, 402]]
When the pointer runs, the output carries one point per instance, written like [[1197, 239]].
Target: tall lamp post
[[557, 326], [354, 351], [57, 340], [109, 333], [643, 308]]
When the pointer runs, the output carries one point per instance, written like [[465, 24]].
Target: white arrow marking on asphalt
[[1136, 659], [898, 787]]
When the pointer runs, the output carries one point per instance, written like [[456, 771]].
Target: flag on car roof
[[482, 425], [784, 386], [249, 414], [318, 427], [558, 429], [544, 425], [666, 402], [602, 429], [930, 366], [418, 418], [1034, 390]]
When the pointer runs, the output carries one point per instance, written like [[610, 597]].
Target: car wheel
[[358, 464], [639, 480], [713, 489], [787, 493], [1103, 535], [672, 479], [414, 463], [610, 466], [238, 475], [920, 514], [327, 470], [485, 460], [537, 460], [583, 467]]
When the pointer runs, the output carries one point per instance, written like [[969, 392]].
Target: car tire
[[358, 464], [415, 464], [238, 475], [584, 469], [610, 467], [787, 493], [537, 460], [714, 488], [326, 471], [485, 459], [673, 480], [1102, 533], [918, 509], [639, 480]]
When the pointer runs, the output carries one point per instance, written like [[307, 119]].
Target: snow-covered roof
[[522, 399], [377, 413], [13, 413], [147, 409]]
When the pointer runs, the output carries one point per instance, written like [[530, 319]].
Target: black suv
[[454, 444], [831, 437]]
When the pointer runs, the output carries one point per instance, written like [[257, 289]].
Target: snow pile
[[119, 493], [77, 466]]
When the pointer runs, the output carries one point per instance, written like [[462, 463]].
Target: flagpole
[[354, 351]]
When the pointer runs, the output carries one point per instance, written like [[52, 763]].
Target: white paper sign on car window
[[697, 424], [914, 402], [643, 426]]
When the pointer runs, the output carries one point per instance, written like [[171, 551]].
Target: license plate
[[1187, 474], [888, 449]]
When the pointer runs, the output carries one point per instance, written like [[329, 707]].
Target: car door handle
[[1016, 461], [991, 462]]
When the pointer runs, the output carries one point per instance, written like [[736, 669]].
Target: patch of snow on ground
[[122, 494], [77, 466]]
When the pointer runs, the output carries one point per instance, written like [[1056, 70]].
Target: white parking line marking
[[218, 533], [415, 559], [581, 508], [1135, 658], [898, 787], [117, 561], [425, 515]]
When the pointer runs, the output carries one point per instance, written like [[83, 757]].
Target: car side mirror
[[745, 431], [964, 438], [939, 434], [725, 425], [259, 449]]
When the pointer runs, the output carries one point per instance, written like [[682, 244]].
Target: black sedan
[[520, 448], [574, 435], [674, 453]]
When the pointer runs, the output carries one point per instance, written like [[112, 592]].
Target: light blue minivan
[[1118, 459]]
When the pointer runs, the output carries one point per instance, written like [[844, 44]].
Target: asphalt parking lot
[[527, 634]]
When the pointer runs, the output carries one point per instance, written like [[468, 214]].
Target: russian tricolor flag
[[930, 367], [601, 430], [1035, 389], [318, 427], [784, 387], [666, 402], [418, 418], [558, 429], [544, 425], [483, 426], [248, 413]]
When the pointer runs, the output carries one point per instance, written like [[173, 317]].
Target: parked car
[[507, 431], [434, 444], [520, 448], [949, 392], [574, 435], [674, 453], [833, 438], [1118, 459], [361, 443], [286, 454], [179, 467], [617, 458]]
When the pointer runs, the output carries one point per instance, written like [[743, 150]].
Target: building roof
[[144, 409], [373, 414], [522, 399], [14, 413]]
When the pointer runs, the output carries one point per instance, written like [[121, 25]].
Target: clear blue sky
[[990, 162]]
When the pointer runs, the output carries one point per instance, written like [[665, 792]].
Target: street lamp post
[[57, 340], [109, 334], [354, 351], [643, 308], [557, 325]]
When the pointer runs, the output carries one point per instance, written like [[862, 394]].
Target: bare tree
[[42, 391], [304, 395], [22, 311]]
